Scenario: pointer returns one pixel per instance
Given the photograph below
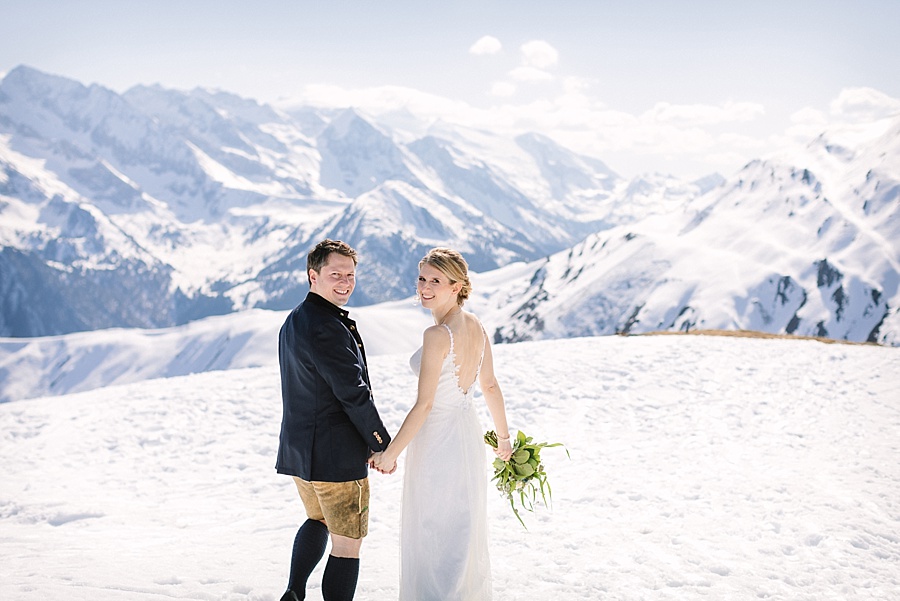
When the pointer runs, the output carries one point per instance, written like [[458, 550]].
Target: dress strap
[[449, 331], [483, 346]]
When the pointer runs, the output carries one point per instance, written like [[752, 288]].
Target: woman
[[443, 533]]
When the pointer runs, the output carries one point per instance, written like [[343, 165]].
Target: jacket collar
[[319, 301], [342, 315]]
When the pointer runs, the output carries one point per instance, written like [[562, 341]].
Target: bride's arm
[[435, 346], [493, 397]]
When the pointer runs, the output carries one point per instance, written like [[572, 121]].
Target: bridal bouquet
[[523, 476]]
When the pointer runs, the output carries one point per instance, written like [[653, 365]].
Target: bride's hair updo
[[450, 263]]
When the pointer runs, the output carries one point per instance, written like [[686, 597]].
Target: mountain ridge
[[158, 207], [219, 191]]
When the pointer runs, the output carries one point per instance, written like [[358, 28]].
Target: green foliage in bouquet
[[523, 476]]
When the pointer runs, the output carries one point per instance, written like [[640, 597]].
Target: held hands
[[378, 462]]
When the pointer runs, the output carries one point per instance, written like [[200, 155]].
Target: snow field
[[701, 468]]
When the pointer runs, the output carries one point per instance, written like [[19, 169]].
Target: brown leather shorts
[[343, 505]]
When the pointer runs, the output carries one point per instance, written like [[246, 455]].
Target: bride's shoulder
[[435, 341], [436, 334]]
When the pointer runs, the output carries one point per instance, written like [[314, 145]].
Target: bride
[[443, 532]]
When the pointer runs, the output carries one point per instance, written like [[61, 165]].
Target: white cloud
[[384, 99], [539, 54], [573, 84], [809, 116], [689, 140], [486, 45], [856, 115], [503, 89], [806, 124], [687, 115], [863, 104], [526, 73], [741, 142], [537, 57], [724, 161]]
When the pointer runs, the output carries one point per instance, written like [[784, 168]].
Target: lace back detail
[[456, 366]]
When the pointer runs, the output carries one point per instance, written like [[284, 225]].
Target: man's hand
[[378, 462]]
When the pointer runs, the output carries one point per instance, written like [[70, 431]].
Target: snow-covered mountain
[[156, 207], [809, 247]]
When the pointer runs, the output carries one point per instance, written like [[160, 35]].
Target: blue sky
[[681, 87]]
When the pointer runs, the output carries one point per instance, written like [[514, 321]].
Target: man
[[330, 425]]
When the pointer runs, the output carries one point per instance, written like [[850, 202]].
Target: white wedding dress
[[443, 531]]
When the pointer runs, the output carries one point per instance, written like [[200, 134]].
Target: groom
[[330, 425]]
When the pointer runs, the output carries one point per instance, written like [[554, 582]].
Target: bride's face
[[434, 287]]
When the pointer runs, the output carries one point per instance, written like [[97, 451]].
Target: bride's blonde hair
[[452, 265]]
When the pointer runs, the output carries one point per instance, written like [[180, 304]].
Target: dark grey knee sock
[[339, 580], [309, 547]]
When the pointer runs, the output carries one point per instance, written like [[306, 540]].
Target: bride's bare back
[[468, 344]]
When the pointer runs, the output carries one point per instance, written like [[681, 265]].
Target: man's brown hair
[[318, 256]]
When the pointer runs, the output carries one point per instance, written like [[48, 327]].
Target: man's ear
[[313, 276]]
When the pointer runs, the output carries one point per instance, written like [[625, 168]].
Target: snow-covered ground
[[701, 468]]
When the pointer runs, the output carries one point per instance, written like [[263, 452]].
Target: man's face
[[336, 280]]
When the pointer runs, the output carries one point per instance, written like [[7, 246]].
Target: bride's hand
[[378, 461], [504, 449]]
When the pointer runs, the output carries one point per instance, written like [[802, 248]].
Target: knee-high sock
[[339, 580], [309, 547]]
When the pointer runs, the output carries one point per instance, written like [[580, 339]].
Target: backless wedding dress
[[443, 526]]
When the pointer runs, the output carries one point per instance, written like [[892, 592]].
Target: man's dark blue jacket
[[330, 423]]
